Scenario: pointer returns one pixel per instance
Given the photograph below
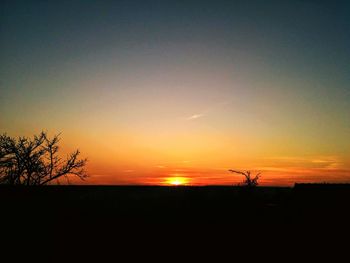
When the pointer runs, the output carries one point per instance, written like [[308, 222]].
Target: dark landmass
[[178, 205], [79, 215]]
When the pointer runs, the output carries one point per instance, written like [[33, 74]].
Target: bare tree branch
[[36, 161], [249, 181]]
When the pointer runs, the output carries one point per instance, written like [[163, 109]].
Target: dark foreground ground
[[128, 214], [184, 205]]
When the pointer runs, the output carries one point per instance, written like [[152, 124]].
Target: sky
[[159, 92]]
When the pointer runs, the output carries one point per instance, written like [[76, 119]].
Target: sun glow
[[176, 181]]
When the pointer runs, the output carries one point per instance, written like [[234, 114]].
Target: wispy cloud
[[321, 162], [207, 111], [195, 116]]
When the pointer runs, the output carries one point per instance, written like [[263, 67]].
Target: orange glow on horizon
[[271, 176]]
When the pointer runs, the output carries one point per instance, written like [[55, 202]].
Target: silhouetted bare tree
[[26, 161], [249, 181]]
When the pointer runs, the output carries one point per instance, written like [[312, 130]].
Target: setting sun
[[177, 181]]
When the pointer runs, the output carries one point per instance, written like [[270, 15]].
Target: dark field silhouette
[[217, 205], [62, 220]]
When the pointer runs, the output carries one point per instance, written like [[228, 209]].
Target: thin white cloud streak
[[322, 162], [195, 116], [204, 113]]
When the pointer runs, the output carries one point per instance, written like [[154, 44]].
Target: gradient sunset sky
[[150, 90]]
